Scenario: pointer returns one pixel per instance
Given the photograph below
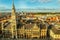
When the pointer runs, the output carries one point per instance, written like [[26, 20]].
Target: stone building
[[55, 32], [43, 31], [30, 31]]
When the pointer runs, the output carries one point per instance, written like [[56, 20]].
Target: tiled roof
[[28, 26], [43, 26], [56, 30]]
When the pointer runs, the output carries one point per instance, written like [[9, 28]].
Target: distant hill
[[31, 10]]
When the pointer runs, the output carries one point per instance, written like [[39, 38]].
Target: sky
[[7, 4]]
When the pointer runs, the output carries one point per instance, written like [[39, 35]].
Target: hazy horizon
[[31, 10]]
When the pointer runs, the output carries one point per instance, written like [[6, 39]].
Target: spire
[[13, 7], [35, 25]]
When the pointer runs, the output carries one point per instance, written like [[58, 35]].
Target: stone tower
[[13, 21]]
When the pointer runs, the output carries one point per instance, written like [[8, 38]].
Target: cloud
[[59, 1], [22, 4], [3, 6], [41, 1], [44, 1]]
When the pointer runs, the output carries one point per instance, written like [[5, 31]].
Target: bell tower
[[13, 21]]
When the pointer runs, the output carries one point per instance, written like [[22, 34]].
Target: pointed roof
[[43, 26], [56, 29], [35, 26], [13, 7], [28, 26], [31, 26]]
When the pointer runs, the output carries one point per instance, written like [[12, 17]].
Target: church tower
[[13, 21]]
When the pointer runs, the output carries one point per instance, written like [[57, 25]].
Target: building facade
[[55, 33], [43, 31]]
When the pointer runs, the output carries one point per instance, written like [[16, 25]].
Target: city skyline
[[26, 4], [28, 25]]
